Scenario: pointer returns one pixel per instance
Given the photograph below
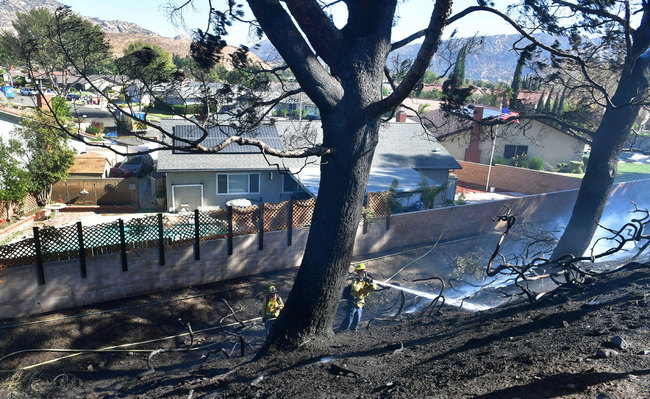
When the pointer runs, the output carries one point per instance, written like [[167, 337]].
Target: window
[[241, 183], [512, 151], [289, 184]]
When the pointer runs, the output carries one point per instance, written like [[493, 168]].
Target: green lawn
[[632, 171]]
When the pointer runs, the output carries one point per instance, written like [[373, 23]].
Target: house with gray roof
[[406, 152], [203, 180]]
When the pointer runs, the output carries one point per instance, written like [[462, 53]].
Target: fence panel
[[18, 253], [141, 233], [302, 212], [59, 243], [100, 239], [378, 204], [213, 224], [63, 242], [245, 220], [276, 216], [179, 229]]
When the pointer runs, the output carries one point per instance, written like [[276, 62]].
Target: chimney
[[473, 154], [44, 101], [400, 117]]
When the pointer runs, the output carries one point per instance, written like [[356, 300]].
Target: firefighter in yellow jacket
[[271, 308], [359, 289]]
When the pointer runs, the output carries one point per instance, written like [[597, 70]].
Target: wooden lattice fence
[[80, 242]]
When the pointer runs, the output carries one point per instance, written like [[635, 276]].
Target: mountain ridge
[[495, 61]]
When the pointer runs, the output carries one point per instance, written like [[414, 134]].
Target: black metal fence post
[[290, 222], [39, 256], [365, 215], [161, 241], [261, 227], [388, 201], [197, 236], [125, 266], [229, 213], [82, 250]]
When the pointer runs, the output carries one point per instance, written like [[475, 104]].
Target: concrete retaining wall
[[20, 293]]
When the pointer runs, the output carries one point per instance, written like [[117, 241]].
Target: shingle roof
[[400, 145], [88, 163]]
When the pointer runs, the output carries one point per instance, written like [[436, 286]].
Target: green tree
[[429, 77], [429, 193], [148, 63], [46, 155], [39, 37], [524, 57], [548, 105], [540, 103], [560, 107], [556, 105], [14, 179], [458, 75]]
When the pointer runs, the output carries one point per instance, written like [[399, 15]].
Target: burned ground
[[563, 347]]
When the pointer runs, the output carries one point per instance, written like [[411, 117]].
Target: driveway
[[93, 113]]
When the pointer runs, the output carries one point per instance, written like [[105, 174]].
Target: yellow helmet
[[272, 290], [360, 267]]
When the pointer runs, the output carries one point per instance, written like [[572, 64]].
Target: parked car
[[72, 96], [27, 91], [134, 165]]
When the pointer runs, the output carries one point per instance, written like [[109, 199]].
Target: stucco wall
[[270, 189], [521, 180], [20, 293], [542, 140]]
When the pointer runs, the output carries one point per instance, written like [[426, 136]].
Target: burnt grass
[[560, 347]]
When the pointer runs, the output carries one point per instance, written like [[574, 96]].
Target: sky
[[152, 15]]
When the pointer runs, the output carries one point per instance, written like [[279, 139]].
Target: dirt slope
[[555, 349]]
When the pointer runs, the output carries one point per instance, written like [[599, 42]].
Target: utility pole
[[494, 141]]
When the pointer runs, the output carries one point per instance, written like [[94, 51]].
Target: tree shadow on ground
[[556, 385]]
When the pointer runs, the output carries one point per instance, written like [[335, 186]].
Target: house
[[89, 165], [190, 93], [201, 180], [469, 141], [406, 153], [298, 106]]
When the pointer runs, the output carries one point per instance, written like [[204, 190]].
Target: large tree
[[14, 179], [611, 64], [37, 43]]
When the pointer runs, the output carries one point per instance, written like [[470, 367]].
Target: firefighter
[[271, 308], [359, 289]]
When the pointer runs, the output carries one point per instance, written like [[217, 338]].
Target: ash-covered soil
[[586, 341]]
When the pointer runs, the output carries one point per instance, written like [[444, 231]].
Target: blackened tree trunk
[[312, 303], [606, 149], [348, 95]]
